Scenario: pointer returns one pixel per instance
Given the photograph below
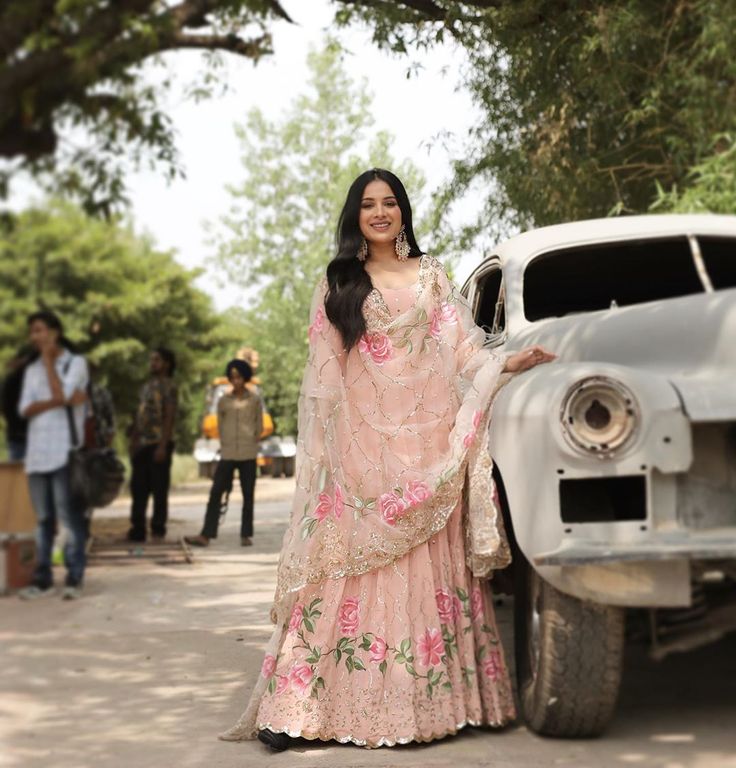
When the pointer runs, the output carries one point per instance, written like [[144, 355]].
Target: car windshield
[[595, 277]]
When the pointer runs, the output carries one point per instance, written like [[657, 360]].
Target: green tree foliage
[[587, 107], [710, 186], [118, 297], [73, 99], [279, 234]]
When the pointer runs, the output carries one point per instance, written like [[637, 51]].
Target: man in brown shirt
[[152, 447], [240, 423]]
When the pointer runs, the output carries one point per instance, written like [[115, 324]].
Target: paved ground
[[156, 659]]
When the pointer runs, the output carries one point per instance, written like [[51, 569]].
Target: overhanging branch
[[253, 49]]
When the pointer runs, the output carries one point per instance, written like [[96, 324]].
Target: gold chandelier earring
[[402, 245], [362, 253]]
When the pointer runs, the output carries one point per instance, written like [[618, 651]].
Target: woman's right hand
[[528, 358]]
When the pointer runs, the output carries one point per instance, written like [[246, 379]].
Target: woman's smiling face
[[380, 215]]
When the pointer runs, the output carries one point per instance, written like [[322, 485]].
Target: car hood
[[690, 340]]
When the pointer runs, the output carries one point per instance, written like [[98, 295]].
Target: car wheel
[[278, 466], [569, 656], [289, 466]]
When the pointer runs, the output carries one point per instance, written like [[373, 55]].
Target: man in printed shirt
[[152, 447], [53, 390]]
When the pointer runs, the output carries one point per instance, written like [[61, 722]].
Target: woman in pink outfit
[[385, 632]]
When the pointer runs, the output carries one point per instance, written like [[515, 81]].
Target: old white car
[[616, 463]]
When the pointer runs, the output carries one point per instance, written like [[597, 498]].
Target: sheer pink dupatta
[[386, 435]]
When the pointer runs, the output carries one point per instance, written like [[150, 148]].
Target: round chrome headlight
[[599, 416]]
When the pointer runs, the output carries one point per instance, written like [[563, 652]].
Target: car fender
[[532, 456]]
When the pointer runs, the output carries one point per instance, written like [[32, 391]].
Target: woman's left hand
[[528, 358]]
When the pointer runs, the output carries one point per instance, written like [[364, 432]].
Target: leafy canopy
[[74, 101], [587, 108]]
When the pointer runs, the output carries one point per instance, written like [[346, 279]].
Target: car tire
[[289, 466], [569, 658], [278, 466]]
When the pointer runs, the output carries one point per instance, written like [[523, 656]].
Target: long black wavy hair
[[348, 282]]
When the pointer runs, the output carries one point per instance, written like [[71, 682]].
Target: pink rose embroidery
[[339, 507], [476, 604], [468, 439], [435, 326], [392, 507], [282, 684], [348, 616], [378, 346], [324, 506], [492, 666], [316, 327], [448, 313], [445, 315], [300, 678], [417, 491], [378, 650], [447, 606], [269, 666], [477, 416], [296, 619], [430, 647]]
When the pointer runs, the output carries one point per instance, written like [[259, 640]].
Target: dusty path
[[155, 660]]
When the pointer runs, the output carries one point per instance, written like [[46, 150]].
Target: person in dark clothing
[[16, 427], [240, 422], [152, 447]]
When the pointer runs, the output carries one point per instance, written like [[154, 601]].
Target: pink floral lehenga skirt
[[408, 652]]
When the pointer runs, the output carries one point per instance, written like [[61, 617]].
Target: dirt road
[[156, 659]]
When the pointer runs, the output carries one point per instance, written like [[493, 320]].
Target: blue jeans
[[52, 501]]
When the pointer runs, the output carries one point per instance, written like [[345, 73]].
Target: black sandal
[[278, 742]]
